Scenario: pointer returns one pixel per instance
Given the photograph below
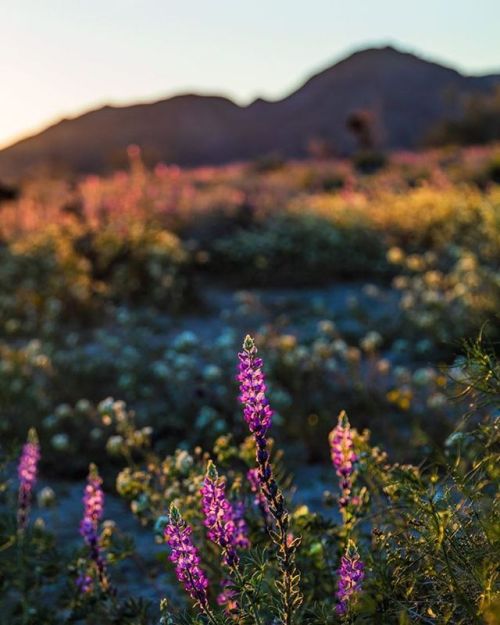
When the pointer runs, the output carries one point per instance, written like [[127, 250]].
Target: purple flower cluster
[[256, 409], [186, 558], [257, 412], [241, 539], [226, 527], [93, 505], [27, 473], [218, 514], [93, 509], [350, 577], [84, 583], [343, 456], [258, 416]]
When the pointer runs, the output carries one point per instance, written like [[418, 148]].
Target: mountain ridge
[[407, 95]]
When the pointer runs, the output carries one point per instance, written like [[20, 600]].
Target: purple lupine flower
[[226, 526], [93, 498], [241, 539], [93, 509], [343, 456], [186, 558], [258, 415], [84, 583], [256, 409], [350, 576], [93, 505], [27, 473], [218, 514]]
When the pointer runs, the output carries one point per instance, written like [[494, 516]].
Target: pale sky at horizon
[[59, 58]]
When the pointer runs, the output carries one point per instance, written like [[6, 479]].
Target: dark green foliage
[[300, 249], [369, 161]]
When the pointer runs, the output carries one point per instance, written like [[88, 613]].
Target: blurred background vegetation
[[139, 285]]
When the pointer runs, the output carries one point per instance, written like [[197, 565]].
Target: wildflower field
[[264, 393]]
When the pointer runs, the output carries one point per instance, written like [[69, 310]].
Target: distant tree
[[368, 159], [362, 125]]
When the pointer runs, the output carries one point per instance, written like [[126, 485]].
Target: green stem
[[449, 567], [287, 557], [22, 574], [253, 608], [204, 606]]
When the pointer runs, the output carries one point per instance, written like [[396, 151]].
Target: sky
[[59, 58]]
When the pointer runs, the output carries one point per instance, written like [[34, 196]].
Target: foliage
[[123, 286], [426, 535], [299, 249]]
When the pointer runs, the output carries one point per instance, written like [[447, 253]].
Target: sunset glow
[[61, 58]]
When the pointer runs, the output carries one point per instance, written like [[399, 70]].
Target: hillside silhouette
[[406, 96]]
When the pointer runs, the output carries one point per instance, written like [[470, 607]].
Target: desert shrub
[[269, 163], [71, 274], [424, 219], [296, 249], [315, 179], [42, 280], [448, 301], [369, 161], [25, 377], [489, 172], [148, 264]]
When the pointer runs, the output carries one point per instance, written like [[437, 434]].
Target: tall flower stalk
[[350, 576], [343, 459], [258, 416], [93, 510], [226, 526], [27, 471], [352, 570], [186, 558]]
